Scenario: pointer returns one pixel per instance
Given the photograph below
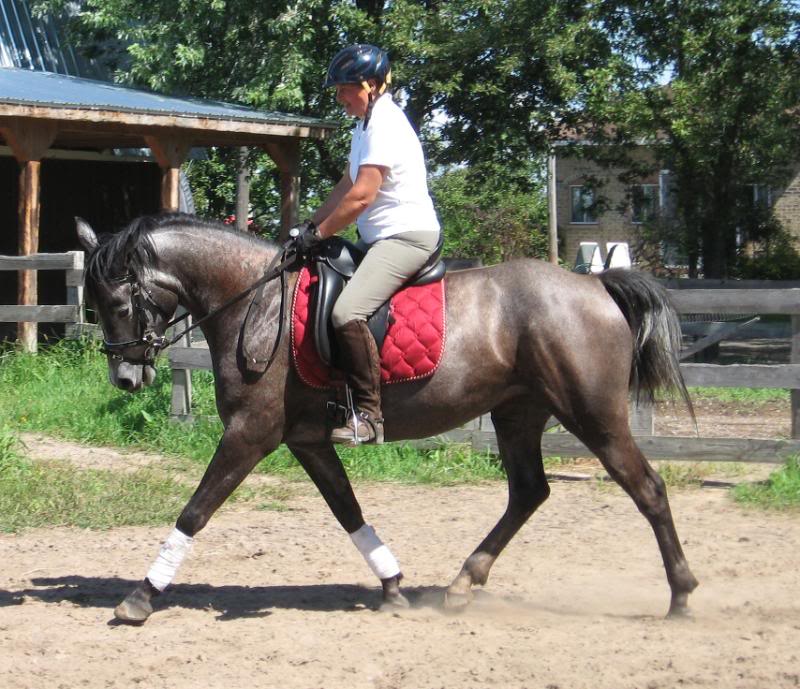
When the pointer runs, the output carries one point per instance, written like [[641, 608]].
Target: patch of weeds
[[684, 474], [781, 491]]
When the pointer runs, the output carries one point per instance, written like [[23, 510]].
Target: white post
[[552, 206]]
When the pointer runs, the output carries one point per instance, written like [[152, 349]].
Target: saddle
[[335, 263]]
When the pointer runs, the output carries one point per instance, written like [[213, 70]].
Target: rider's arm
[[342, 187], [354, 201]]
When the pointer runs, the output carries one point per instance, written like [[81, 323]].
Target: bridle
[[144, 305]]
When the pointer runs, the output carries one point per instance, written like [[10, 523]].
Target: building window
[[761, 195], [582, 205], [644, 202]]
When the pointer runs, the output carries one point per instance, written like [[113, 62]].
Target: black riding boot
[[360, 362]]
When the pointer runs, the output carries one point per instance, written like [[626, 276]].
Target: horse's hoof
[[135, 609], [395, 602], [393, 599], [455, 602], [680, 613], [679, 607]]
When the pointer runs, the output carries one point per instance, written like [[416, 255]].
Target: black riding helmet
[[356, 64]]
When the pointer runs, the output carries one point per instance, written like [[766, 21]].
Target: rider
[[384, 190]]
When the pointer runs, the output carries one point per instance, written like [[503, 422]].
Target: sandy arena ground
[[282, 599]]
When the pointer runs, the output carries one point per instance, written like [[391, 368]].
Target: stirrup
[[352, 417]]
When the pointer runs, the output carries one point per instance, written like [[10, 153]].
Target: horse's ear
[[86, 235]]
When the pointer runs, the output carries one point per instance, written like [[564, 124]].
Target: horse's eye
[[124, 312]]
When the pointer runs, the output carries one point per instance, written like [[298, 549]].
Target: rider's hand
[[306, 236]]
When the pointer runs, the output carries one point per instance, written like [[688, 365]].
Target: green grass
[[48, 494], [742, 396], [56, 494], [63, 391], [444, 465], [780, 491]]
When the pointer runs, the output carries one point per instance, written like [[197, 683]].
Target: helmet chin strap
[[372, 97]]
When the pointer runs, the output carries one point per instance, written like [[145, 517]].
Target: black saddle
[[334, 263]]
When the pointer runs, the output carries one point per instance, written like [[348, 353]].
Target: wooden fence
[[723, 300], [71, 313]]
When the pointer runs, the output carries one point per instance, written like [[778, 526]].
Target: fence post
[[642, 419], [74, 280], [795, 393], [182, 383]]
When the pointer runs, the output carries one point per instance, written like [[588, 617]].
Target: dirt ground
[[282, 599]]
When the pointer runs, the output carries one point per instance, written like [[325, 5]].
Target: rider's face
[[354, 98]]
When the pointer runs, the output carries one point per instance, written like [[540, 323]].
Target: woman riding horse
[[385, 191]]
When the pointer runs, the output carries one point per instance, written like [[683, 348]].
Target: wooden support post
[[795, 359], [242, 190], [29, 143], [27, 281], [169, 151], [286, 155]]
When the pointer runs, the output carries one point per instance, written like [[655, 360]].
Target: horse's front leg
[[325, 469], [233, 460]]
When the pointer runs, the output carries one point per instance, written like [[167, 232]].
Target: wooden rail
[[757, 298], [71, 313]]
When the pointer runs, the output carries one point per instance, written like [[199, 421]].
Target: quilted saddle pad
[[414, 341]]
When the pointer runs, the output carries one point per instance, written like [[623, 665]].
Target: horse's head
[[133, 310]]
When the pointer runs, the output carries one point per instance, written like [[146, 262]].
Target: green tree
[[468, 73], [713, 87], [492, 223]]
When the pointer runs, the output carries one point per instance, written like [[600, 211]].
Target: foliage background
[[711, 86]]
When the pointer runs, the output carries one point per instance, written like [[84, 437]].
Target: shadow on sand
[[231, 602]]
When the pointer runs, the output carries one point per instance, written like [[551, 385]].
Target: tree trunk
[[242, 190]]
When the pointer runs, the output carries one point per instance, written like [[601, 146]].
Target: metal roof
[[31, 42], [27, 87]]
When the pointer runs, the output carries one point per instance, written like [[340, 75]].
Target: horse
[[526, 341]]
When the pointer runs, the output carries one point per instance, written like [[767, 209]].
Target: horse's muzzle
[[130, 377]]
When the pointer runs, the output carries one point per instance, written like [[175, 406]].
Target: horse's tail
[[656, 332]]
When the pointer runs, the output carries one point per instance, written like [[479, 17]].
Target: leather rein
[[143, 304]]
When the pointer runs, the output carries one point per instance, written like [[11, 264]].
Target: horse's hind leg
[[325, 469], [518, 427], [610, 439]]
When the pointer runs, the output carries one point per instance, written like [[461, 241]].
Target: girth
[[334, 265]]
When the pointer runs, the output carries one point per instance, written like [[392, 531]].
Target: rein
[[154, 343]]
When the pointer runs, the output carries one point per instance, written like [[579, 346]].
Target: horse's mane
[[131, 250]]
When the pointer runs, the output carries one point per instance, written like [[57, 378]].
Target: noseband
[[143, 305]]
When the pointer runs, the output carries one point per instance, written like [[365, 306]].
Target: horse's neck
[[205, 267]]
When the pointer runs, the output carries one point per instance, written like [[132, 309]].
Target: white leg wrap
[[377, 555], [172, 553]]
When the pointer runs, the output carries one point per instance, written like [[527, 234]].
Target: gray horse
[[526, 341]]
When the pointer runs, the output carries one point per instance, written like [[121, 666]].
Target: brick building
[[623, 208]]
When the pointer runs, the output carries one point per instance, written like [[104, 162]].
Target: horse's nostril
[[125, 383]]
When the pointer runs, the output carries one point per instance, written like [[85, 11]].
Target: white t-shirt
[[403, 203]]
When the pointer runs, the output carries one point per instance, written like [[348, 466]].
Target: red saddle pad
[[414, 338]]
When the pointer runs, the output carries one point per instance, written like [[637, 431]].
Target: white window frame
[[656, 206], [585, 212], [762, 194]]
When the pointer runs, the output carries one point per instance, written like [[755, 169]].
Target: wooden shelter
[[43, 111]]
